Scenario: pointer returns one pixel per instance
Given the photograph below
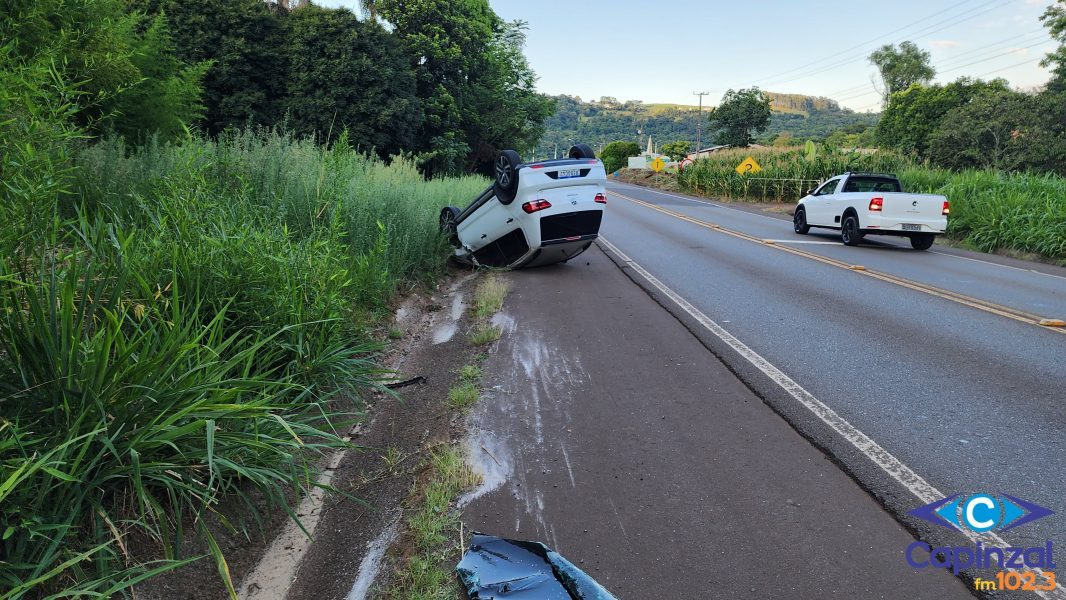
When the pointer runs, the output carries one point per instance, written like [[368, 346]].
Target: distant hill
[[605, 120]]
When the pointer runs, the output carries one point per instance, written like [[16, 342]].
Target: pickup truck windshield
[[872, 184]]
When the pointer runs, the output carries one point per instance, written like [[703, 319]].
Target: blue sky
[[664, 51]]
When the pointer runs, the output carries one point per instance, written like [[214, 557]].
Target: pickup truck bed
[[858, 204]]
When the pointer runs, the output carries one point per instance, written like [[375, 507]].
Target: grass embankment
[[175, 324], [989, 210], [434, 525]]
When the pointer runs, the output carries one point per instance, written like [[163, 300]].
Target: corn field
[[990, 210]]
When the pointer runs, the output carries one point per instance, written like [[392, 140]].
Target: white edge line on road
[[891, 465], [986, 262]]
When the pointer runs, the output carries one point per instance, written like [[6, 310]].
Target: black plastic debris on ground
[[497, 568]]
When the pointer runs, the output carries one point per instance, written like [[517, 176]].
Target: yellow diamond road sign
[[748, 166], [657, 165]]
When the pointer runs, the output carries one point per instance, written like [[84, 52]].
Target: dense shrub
[[174, 332]]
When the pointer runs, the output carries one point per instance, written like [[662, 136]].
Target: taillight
[[876, 204], [946, 209], [601, 198], [535, 205]]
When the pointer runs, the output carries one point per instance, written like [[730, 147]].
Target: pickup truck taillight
[[601, 198], [946, 209], [876, 204], [535, 205]]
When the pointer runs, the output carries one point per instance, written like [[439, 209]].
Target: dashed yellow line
[[1021, 316]]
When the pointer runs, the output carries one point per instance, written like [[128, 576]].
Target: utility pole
[[699, 121]]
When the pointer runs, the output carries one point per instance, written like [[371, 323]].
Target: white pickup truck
[[872, 203]]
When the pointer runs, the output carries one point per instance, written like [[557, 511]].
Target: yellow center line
[[983, 305]]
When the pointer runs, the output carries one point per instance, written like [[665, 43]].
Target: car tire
[[799, 221], [922, 241], [579, 151], [505, 185], [449, 223], [850, 233]]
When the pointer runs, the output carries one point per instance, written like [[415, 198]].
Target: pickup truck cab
[[858, 204]]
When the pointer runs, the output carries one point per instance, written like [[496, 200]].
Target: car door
[[819, 209]]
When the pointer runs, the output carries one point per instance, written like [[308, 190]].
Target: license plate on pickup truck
[[911, 227], [569, 173]]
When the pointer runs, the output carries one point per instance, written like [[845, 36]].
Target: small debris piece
[[497, 568], [412, 381]]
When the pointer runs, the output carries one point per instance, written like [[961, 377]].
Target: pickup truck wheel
[[849, 231], [799, 221], [505, 186], [579, 151], [922, 241], [449, 216]]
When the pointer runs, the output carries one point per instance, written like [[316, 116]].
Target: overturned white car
[[533, 214]]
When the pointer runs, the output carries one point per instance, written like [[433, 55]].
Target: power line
[[936, 27], [1008, 53], [950, 62], [962, 66], [1031, 60], [867, 42]]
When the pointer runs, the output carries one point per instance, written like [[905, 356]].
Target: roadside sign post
[[657, 164], [748, 166]]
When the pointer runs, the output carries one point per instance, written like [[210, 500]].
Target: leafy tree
[[913, 114], [676, 150], [88, 41], [508, 111], [741, 114], [244, 41], [369, 8], [168, 96], [615, 155], [902, 67], [475, 85], [1054, 18], [347, 74], [997, 128]]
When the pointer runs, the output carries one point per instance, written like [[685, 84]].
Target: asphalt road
[[612, 434], [969, 400]]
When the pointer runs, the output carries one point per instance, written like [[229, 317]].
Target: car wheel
[[799, 221], [505, 186], [449, 217], [849, 231], [922, 241], [581, 151]]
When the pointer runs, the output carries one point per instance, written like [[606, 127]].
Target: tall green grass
[[174, 333], [990, 210]]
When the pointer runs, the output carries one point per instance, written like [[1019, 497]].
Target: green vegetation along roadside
[[433, 527], [187, 324], [990, 210]]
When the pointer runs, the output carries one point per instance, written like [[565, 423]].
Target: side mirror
[[808, 192]]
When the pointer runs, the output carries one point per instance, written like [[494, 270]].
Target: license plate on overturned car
[[569, 173], [911, 227]]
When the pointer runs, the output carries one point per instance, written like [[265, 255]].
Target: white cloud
[[1019, 51], [945, 43]]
